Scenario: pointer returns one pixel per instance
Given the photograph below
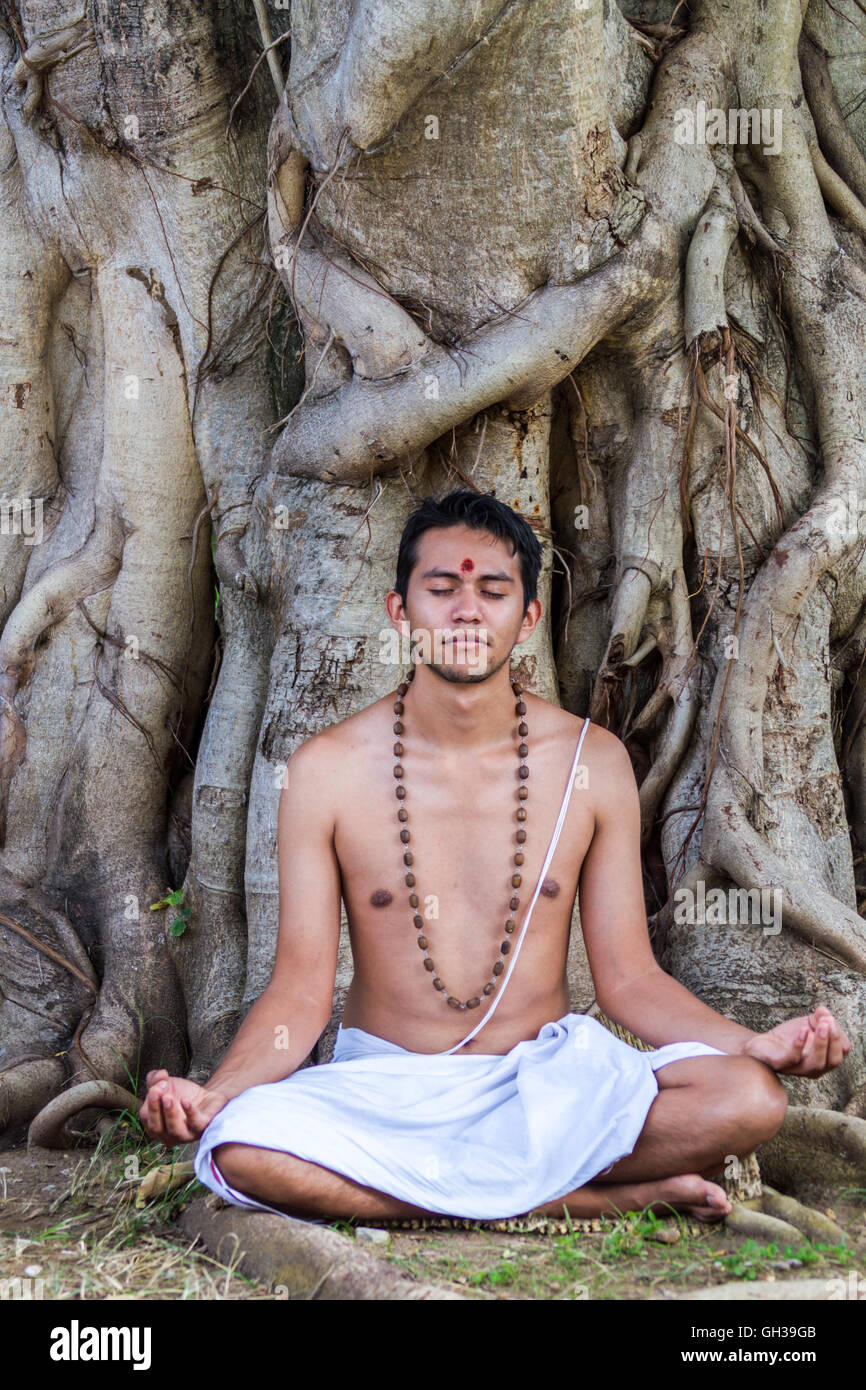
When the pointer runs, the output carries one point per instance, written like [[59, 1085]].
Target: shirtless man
[[338, 834]]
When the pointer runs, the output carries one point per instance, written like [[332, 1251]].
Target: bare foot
[[690, 1192]]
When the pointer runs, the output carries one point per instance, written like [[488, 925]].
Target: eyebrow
[[481, 578]]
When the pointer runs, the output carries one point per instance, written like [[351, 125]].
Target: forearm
[[278, 1033], [659, 1010]]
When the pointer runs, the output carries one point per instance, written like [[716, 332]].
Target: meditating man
[[456, 817]]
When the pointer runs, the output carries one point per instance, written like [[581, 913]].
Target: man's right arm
[[288, 1018], [290, 1015]]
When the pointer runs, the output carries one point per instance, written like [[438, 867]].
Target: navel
[[549, 888], [381, 898]]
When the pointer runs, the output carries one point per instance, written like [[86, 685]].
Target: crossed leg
[[707, 1109]]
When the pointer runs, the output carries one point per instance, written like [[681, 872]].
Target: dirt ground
[[70, 1229]]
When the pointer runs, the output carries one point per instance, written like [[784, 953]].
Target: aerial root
[[775, 1217], [26, 1087], [44, 53], [54, 595], [47, 1129], [231, 566], [815, 1154]]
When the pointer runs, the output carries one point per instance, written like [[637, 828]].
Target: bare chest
[[445, 881]]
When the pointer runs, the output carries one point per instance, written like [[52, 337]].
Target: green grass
[[625, 1260]]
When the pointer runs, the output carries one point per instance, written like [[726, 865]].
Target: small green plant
[[181, 922], [568, 1255], [629, 1234], [747, 1262], [503, 1273]]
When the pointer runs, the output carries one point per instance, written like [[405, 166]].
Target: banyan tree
[[270, 276]]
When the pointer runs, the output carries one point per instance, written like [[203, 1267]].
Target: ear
[[530, 622], [395, 610]]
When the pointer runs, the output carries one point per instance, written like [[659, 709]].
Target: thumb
[[195, 1117]]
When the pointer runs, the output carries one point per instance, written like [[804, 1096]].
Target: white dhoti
[[483, 1135]]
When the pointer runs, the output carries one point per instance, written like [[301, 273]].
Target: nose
[[466, 608]]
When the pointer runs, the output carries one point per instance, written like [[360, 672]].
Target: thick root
[[745, 1221], [815, 1153], [26, 1088], [814, 1224], [47, 1129]]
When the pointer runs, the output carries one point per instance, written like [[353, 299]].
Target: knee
[[236, 1162], [759, 1099]]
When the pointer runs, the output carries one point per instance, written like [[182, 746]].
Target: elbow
[[611, 999]]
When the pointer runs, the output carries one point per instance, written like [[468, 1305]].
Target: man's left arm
[[630, 986]]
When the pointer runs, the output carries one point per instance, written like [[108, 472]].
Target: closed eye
[[486, 592]]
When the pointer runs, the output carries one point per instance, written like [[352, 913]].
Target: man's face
[[464, 604]]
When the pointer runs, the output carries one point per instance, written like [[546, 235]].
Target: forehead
[[450, 546]]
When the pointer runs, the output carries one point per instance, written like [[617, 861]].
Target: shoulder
[[332, 749], [605, 768], [603, 748]]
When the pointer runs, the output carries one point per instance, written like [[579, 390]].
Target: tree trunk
[[520, 254]]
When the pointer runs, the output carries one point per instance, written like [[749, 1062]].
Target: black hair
[[482, 512]]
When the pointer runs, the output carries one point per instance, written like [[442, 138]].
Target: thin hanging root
[[679, 684], [269, 46], [707, 400], [88, 981], [47, 1129]]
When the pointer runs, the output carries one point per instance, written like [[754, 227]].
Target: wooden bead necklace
[[403, 816]]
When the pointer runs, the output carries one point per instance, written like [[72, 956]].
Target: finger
[[157, 1085], [151, 1118], [835, 1050], [160, 1119], [150, 1109], [815, 1054], [841, 1035], [839, 1032], [167, 1137], [153, 1076], [196, 1121], [820, 1015], [175, 1119]]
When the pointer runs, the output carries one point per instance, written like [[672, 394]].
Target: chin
[[461, 675], [468, 673]]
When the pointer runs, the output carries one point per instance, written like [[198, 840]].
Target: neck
[[455, 714]]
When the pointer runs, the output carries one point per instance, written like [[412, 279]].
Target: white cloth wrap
[[483, 1135]]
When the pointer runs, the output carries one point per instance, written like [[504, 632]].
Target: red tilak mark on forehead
[[467, 567]]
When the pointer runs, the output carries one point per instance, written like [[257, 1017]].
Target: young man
[[448, 816]]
